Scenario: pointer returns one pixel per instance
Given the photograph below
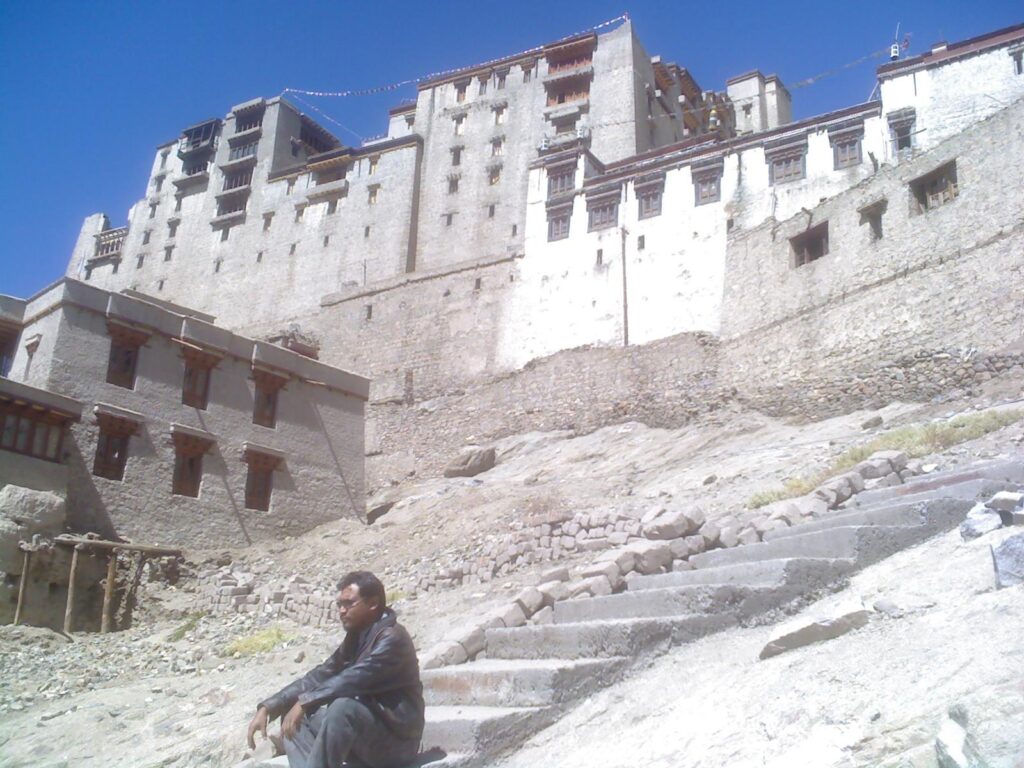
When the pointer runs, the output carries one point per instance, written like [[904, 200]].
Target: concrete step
[[477, 731], [865, 544], [937, 514], [812, 572], [602, 639], [519, 683], [998, 471], [737, 600]]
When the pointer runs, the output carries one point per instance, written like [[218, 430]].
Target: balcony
[[193, 177], [336, 188], [250, 133], [109, 243], [568, 69], [190, 148]]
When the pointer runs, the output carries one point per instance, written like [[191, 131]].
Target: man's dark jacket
[[382, 672]]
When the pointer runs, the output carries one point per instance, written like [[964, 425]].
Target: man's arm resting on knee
[[282, 701], [258, 723], [389, 666]]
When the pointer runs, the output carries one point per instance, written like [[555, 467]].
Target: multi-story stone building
[[582, 193], [156, 425]]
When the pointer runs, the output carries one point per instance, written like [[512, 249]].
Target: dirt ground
[[139, 699]]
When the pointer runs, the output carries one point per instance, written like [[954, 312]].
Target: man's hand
[[290, 722], [258, 723]]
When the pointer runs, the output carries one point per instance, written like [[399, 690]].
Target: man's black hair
[[368, 584]]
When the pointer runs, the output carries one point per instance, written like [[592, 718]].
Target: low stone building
[[158, 426]]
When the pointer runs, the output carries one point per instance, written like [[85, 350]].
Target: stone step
[[998, 471], [810, 571], [476, 731], [519, 683], [865, 544], [602, 639], [742, 602], [938, 514]]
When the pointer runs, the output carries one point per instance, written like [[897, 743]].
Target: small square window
[[268, 219], [453, 185], [332, 207], [810, 245], [366, 231], [145, 237], [459, 123], [490, 211], [494, 175], [602, 215], [373, 195], [152, 211], [448, 219], [499, 115], [846, 153], [224, 233], [934, 189], [456, 156], [558, 224], [649, 203], [561, 180], [786, 167], [641, 242], [140, 260]]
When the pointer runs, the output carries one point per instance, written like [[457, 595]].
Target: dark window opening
[[641, 242], [649, 202], [561, 180], [935, 189], [188, 474], [558, 224], [259, 483], [111, 454], [123, 359], [810, 245], [602, 215], [28, 431]]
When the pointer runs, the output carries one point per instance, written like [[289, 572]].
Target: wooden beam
[[108, 591], [69, 609], [26, 562], [102, 544]]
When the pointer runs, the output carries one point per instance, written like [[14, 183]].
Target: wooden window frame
[[561, 180], [112, 446], [259, 479], [195, 384], [846, 153], [559, 221], [32, 431], [602, 214], [934, 189], [268, 385], [649, 201], [188, 464], [123, 358], [786, 167], [810, 245]]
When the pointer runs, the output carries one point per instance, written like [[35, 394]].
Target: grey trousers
[[346, 731]]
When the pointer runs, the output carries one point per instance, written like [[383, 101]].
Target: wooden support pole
[[69, 610], [26, 562], [108, 591]]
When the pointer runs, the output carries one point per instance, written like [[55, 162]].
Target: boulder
[[710, 533], [897, 459], [36, 511], [651, 556], [471, 462], [980, 520], [530, 600], [816, 632], [553, 591], [1006, 501], [1008, 561], [874, 421], [672, 523], [555, 574]]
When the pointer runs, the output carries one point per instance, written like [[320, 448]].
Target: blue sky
[[91, 88]]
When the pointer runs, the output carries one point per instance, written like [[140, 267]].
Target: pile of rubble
[[232, 590]]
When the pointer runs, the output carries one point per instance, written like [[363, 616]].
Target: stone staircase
[[534, 674]]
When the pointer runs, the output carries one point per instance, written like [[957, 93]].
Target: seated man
[[365, 703]]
